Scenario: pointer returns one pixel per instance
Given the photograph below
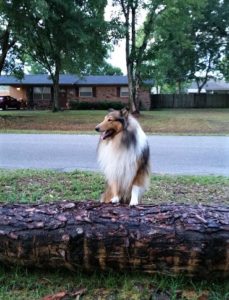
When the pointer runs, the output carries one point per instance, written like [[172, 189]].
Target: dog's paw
[[101, 200], [115, 199], [133, 202]]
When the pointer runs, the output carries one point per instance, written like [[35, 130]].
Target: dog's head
[[114, 122]]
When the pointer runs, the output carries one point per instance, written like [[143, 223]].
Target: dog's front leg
[[115, 197], [136, 195], [107, 195]]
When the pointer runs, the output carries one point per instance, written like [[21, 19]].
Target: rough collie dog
[[123, 154]]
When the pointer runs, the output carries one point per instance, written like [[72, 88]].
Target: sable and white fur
[[123, 154]]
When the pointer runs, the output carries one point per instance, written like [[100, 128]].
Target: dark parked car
[[9, 102]]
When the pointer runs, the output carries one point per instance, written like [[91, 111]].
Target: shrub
[[103, 105]]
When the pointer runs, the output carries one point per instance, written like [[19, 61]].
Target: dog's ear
[[110, 110], [124, 112], [122, 120]]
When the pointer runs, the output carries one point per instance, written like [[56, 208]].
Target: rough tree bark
[[172, 239], [56, 78], [6, 43]]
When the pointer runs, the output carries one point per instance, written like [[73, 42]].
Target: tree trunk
[[137, 97], [5, 46], [129, 12], [131, 89], [200, 84], [179, 87], [171, 239], [56, 105]]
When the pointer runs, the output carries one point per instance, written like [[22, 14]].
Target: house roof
[[213, 85], [65, 79]]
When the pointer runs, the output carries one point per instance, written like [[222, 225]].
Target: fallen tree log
[[173, 239]]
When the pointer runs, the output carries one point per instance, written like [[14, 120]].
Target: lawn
[[28, 186], [166, 121]]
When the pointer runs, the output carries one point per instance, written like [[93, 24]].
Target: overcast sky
[[118, 56]]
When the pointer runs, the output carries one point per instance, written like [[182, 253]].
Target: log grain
[[171, 239]]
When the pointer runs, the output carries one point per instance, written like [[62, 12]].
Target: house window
[[41, 93], [124, 91], [85, 92], [4, 88]]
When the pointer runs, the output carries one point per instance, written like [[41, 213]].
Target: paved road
[[169, 154]]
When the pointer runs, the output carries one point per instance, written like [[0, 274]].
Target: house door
[[63, 97]]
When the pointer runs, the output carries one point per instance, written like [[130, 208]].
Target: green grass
[[166, 121], [17, 284], [30, 186]]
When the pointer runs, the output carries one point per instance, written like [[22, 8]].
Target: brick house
[[37, 89]]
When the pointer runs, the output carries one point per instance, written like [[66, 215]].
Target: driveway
[[193, 155]]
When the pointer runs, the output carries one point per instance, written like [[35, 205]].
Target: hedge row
[[103, 105]]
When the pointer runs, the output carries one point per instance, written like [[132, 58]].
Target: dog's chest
[[117, 161]]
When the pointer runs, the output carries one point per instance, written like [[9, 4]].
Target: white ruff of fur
[[118, 163]]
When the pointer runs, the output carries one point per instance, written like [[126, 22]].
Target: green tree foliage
[[135, 50], [210, 41], [108, 69], [169, 57], [153, 46], [10, 50], [224, 67], [33, 67], [188, 42], [60, 35], [223, 28], [103, 69]]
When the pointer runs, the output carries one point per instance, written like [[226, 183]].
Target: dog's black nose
[[97, 128]]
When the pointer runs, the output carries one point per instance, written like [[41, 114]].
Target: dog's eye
[[109, 120]]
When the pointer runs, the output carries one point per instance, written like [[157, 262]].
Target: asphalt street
[[193, 155]]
